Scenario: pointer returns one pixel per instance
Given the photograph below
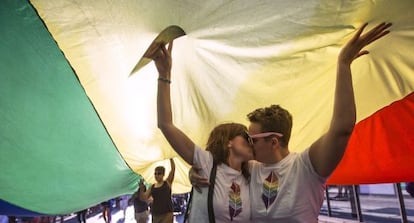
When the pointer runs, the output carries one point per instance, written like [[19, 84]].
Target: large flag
[[78, 127]]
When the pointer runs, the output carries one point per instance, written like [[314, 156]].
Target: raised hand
[[162, 59], [353, 49]]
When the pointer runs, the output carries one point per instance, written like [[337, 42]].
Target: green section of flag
[[55, 154]]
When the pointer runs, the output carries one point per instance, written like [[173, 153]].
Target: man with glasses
[[289, 187], [284, 186]]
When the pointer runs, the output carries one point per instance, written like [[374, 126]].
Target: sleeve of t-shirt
[[204, 160], [252, 164], [308, 165]]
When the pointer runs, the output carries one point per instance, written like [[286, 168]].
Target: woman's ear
[[230, 144]]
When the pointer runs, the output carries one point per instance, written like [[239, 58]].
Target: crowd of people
[[111, 211]]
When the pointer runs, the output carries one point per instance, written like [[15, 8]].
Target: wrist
[[344, 59], [344, 62], [164, 79]]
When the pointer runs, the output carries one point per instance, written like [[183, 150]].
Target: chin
[[259, 158]]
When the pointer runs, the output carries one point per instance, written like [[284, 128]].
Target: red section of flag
[[381, 148]]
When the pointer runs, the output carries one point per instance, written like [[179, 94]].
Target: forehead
[[254, 128]]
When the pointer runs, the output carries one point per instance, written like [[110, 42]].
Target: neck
[[234, 163], [282, 153], [277, 156], [159, 182]]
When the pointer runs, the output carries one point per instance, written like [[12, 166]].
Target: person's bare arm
[[179, 141], [143, 193], [171, 175], [133, 197], [326, 153]]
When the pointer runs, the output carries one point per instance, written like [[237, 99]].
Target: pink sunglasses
[[265, 134], [250, 138]]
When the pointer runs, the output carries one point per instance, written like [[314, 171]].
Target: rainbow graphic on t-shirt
[[270, 186], [235, 201]]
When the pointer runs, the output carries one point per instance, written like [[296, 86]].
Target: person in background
[[140, 207], [409, 187], [106, 210], [81, 215], [162, 209], [343, 193], [123, 204]]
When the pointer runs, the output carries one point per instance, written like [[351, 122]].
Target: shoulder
[[199, 152], [253, 164], [201, 156], [305, 162], [166, 184], [303, 157]]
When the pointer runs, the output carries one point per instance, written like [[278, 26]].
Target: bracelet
[[163, 79]]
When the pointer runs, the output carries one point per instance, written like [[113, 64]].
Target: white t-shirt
[[289, 191], [231, 193]]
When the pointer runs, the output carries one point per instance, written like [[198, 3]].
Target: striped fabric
[[78, 129]]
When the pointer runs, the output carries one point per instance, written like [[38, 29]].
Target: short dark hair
[[160, 169], [273, 119]]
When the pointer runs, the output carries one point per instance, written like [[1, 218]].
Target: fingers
[[155, 55], [378, 36], [170, 45], [153, 51], [196, 168], [376, 33], [381, 27], [161, 52], [375, 30], [380, 32], [372, 35], [358, 34], [197, 180], [364, 52], [198, 189], [166, 52], [200, 182]]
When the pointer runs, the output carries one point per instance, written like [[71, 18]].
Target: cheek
[[256, 145], [240, 142], [260, 155], [246, 147], [258, 148]]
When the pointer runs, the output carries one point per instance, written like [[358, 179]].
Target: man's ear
[[275, 141]]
